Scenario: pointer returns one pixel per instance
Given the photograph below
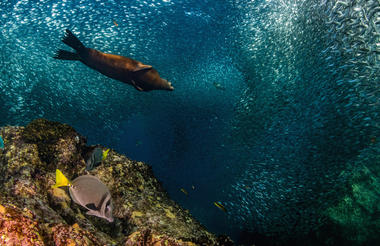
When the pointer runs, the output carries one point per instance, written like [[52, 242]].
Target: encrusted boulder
[[355, 220], [34, 213]]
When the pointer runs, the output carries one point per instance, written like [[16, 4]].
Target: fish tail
[[60, 179], [66, 55], [104, 154], [71, 40]]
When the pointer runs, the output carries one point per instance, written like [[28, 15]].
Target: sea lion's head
[[150, 80]]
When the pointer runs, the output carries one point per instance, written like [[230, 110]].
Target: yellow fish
[[184, 191], [60, 180], [104, 155], [219, 205], [115, 23]]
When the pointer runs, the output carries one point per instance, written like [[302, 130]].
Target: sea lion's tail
[[66, 55], [74, 43]]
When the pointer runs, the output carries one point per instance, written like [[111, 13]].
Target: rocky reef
[[355, 220], [34, 213]]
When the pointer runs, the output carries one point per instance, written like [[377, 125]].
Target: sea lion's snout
[[166, 85], [170, 87]]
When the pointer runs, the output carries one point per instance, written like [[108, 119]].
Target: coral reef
[[34, 213]]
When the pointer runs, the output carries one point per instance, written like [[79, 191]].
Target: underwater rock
[[147, 238], [17, 227], [355, 218], [34, 213]]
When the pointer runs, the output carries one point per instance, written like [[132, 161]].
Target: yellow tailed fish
[[219, 205], [89, 192], [61, 180], [184, 191], [105, 153]]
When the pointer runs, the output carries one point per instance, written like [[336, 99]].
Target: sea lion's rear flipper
[[73, 41], [66, 55], [136, 86], [141, 67]]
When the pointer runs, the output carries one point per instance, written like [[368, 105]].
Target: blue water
[[299, 97]]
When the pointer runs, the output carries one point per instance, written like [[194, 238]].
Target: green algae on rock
[[356, 216], [42, 215], [56, 142]]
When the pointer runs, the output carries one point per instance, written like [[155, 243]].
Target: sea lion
[[142, 77]]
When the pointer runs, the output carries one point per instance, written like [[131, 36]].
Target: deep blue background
[[299, 97]]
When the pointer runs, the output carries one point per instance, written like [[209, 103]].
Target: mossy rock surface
[[46, 134], [42, 215], [355, 220]]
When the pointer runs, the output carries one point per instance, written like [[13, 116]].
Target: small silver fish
[[89, 192]]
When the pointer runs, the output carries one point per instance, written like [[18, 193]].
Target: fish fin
[[93, 212], [103, 202], [105, 153], [66, 55], [141, 67], [91, 206], [136, 86], [60, 179], [89, 165], [106, 207], [71, 40]]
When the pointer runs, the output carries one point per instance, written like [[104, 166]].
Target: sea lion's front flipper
[[141, 67], [136, 86]]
